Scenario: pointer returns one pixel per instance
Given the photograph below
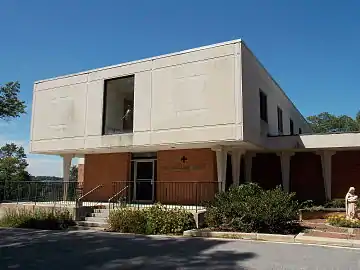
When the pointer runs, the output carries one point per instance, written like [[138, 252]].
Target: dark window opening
[[280, 120], [118, 106], [291, 127], [300, 131], [263, 106]]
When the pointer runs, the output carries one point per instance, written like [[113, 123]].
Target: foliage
[[127, 220], [341, 221], [13, 166], [156, 219], [327, 123], [37, 219], [10, 104], [248, 208], [161, 220], [335, 203]]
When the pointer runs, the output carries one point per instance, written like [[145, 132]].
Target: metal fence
[[189, 195], [40, 191]]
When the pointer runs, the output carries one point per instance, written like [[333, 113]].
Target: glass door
[[144, 180]]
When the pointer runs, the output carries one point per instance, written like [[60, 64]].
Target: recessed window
[[280, 120], [118, 105], [263, 106], [300, 131], [291, 127]]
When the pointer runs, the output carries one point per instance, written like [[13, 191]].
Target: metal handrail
[[117, 194], [89, 192]]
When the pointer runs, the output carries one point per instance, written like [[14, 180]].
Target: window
[[300, 131], [280, 120], [291, 127], [118, 105], [263, 106]]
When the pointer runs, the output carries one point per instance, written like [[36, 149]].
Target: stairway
[[97, 220]]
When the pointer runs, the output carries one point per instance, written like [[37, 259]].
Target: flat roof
[[144, 60]]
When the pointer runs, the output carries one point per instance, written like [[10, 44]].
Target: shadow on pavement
[[80, 250]]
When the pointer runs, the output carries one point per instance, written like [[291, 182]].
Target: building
[[179, 127]]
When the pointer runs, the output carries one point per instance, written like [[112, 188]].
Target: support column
[[221, 159], [66, 173], [285, 158], [326, 157], [236, 165], [248, 166]]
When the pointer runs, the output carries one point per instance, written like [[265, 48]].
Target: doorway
[[144, 180]]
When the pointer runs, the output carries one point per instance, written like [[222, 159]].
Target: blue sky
[[310, 47]]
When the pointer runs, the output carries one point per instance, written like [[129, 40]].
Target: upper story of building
[[212, 95]]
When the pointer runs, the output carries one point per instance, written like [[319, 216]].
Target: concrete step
[[101, 211], [100, 215], [92, 224], [96, 219]]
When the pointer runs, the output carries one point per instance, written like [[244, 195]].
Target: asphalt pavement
[[90, 250]]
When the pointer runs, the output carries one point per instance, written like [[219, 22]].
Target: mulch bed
[[319, 228]]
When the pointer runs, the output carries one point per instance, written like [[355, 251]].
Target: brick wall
[[306, 176], [174, 177], [105, 169], [266, 170], [345, 173]]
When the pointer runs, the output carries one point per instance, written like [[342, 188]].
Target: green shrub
[[337, 203], [37, 219], [127, 220], [153, 220], [341, 221], [248, 208], [160, 220]]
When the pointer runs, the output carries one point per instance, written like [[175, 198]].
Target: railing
[[117, 194], [44, 192], [189, 195], [79, 201]]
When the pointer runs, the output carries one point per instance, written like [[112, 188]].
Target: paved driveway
[[80, 250]]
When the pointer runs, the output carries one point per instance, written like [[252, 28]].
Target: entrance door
[[144, 180]]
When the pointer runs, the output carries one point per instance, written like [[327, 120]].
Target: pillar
[[326, 156], [221, 159], [248, 166], [285, 158], [236, 165], [66, 174]]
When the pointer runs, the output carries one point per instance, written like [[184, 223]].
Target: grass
[[45, 219]]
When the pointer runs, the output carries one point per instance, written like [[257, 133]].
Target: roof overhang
[[314, 141]]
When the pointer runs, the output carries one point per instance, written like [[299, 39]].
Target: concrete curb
[[239, 235], [300, 238]]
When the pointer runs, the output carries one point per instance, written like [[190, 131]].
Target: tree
[[10, 104], [328, 123], [13, 166]]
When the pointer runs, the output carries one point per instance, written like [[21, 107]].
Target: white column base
[[326, 157], [248, 166], [285, 158], [236, 166], [66, 173], [221, 161]]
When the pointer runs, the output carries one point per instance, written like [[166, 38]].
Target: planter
[[321, 213]]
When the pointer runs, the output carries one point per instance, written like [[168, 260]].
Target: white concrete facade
[[197, 98]]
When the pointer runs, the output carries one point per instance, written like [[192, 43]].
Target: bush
[[153, 220], [127, 220], [341, 221], [337, 203], [248, 208], [37, 219]]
